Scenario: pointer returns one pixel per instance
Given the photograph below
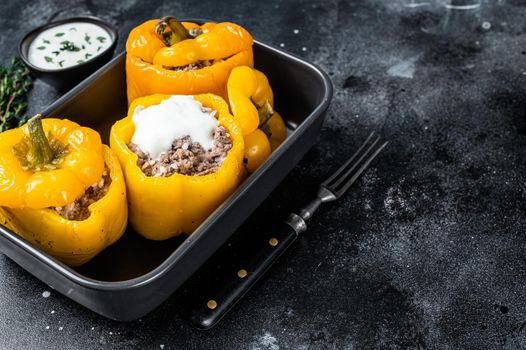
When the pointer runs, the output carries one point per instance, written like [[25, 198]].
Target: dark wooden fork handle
[[226, 292]]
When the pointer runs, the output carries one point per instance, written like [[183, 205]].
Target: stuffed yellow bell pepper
[[61, 189], [168, 57], [251, 102], [160, 206]]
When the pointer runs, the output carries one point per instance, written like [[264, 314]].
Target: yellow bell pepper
[[156, 48], [163, 207], [252, 105], [35, 173], [77, 161]]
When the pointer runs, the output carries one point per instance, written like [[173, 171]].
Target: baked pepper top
[[163, 207], [168, 57], [252, 104], [48, 163]]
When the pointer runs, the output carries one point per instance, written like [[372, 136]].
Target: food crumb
[[282, 45], [47, 327], [161, 346], [92, 328], [296, 31], [303, 48], [52, 312], [60, 328], [111, 333], [46, 294]]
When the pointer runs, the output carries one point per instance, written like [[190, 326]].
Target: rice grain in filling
[[186, 157]]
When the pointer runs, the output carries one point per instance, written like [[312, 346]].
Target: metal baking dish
[[133, 276]]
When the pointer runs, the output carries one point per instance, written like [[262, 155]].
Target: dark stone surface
[[426, 252]]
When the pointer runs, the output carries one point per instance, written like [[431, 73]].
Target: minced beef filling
[[78, 210], [186, 157], [192, 66]]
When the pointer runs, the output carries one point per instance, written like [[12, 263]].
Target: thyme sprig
[[15, 83]]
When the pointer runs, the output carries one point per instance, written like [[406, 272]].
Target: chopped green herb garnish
[[15, 83], [98, 48], [60, 63], [55, 52], [87, 55], [73, 28], [80, 61], [87, 38], [41, 48], [69, 46], [83, 47], [59, 34], [101, 39], [46, 41], [48, 59]]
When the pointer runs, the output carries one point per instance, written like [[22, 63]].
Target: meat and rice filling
[[78, 209], [192, 66], [186, 157]]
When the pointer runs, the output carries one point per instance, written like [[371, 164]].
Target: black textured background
[[426, 252]]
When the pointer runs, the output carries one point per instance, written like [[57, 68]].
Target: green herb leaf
[[69, 46], [80, 61], [59, 34], [41, 48], [56, 52], [101, 39], [60, 63], [46, 41], [73, 29], [15, 83], [98, 48], [48, 59], [87, 55], [87, 38]]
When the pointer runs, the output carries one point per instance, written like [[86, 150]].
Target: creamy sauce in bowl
[[67, 45]]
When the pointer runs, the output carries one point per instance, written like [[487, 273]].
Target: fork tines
[[347, 174]]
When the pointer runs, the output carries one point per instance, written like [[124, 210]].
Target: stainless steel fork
[[224, 294]]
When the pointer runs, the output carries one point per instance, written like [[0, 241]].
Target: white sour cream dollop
[[157, 126]]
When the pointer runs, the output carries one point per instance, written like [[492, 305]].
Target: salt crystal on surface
[[46, 294]]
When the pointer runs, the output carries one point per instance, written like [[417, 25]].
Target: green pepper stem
[[265, 113], [171, 31], [40, 152], [36, 151]]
